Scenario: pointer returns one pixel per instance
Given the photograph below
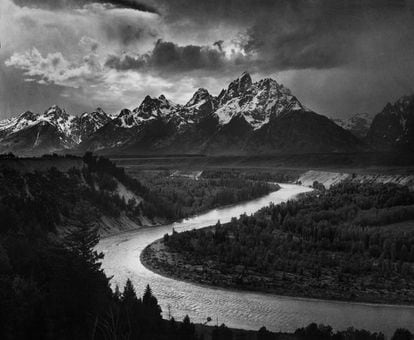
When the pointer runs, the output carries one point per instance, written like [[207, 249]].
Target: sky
[[337, 57]]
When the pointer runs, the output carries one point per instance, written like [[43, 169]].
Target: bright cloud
[[54, 68]]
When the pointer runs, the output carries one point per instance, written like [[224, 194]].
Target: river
[[238, 309]]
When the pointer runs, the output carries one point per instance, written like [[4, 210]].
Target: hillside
[[329, 178], [358, 124], [57, 194]]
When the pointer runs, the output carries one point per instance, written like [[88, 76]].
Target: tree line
[[351, 234], [181, 197]]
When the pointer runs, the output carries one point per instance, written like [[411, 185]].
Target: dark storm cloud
[[248, 11], [298, 34], [170, 57], [56, 4], [277, 35], [126, 31], [125, 62], [323, 34]]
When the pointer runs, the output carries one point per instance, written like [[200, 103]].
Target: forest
[[180, 197], [52, 285], [351, 242], [49, 197]]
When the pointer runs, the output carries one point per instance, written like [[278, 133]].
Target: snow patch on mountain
[[70, 129], [256, 102]]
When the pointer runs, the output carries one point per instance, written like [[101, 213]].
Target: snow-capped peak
[[150, 108], [154, 107], [201, 101], [89, 122], [256, 102], [98, 114], [125, 118], [60, 119], [55, 113], [199, 97], [244, 81], [236, 88], [29, 115], [26, 119]]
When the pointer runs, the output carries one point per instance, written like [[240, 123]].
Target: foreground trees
[[52, 290]]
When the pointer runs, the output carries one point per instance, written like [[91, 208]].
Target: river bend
[[238, 309]]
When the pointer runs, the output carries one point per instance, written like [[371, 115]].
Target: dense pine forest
[[352, 242], [180, 197]]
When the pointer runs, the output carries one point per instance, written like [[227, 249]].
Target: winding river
[[239, 309]]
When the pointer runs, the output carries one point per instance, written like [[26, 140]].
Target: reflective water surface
[[237, 308]]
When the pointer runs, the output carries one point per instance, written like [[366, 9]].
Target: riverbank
[[235, 308], [157, 258], [330, 245]]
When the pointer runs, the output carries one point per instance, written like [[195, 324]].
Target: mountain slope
[[393, 127], [358, 124], [302, 131], [57, 188]]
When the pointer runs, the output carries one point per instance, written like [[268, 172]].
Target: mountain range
[[247, 117], [48, 132]]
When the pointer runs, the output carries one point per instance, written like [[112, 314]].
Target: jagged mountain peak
[[29, 115], [270, 83], [125, 118], [154, 107], [404, 105], [56, 111], [257, 102], [100, 111], [245, 79], [96, 115], [236, 88], [89, 122], [124, 112], [247, 116], [199, 97], [393, 127], [153, 101]]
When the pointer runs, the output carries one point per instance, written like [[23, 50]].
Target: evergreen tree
[[402, 334], [187, 329], [129, 295]]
